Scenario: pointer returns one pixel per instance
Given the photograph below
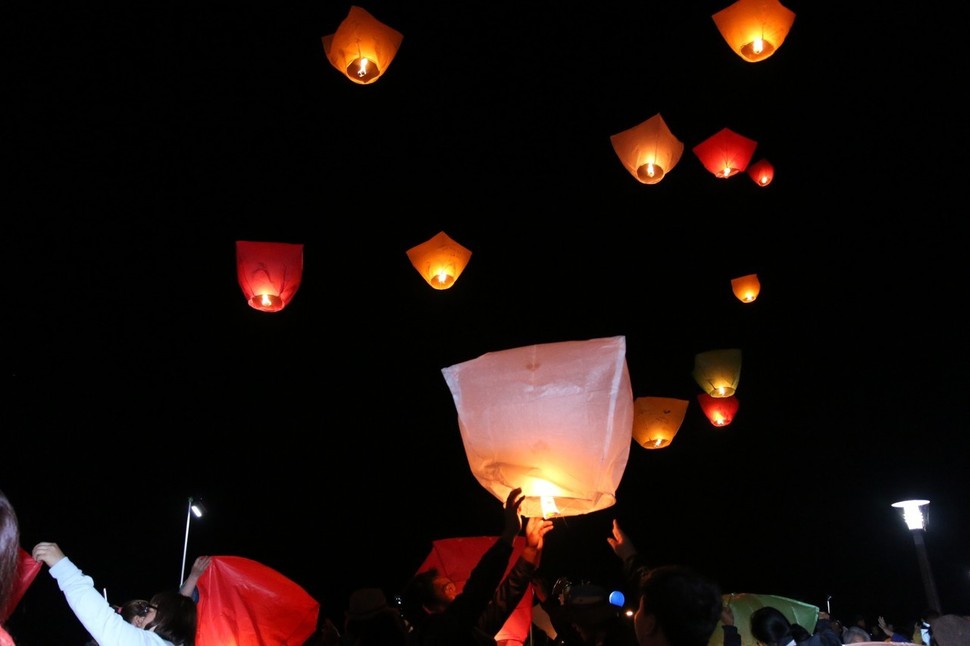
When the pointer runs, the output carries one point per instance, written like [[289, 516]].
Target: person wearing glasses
[[170, 620]]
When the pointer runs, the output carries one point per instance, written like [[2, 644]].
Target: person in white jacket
[[173, 617]]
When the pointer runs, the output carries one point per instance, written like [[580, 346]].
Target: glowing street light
[[197, 509], [916, 522]]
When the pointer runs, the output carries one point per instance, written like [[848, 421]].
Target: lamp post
[[195, 508], [916, 522]]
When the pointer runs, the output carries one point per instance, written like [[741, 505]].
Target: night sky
[[145, 139]]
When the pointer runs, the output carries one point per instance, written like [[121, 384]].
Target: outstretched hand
[[535, 531], [622, 545], [48, 553], [513, 522]]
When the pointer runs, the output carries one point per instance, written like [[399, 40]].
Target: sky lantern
[[362, 48], [744, 604], [718, 372], [719, 410], [242, 601], [648, 151], [455, 558], [754, 29], [746, 288], [269, 273], [555, 419], [761, 172], [725, 153], [439, 260], [656, 420]]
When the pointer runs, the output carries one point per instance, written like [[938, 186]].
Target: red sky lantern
[[363, 47], [719, 410], [761, 172], [269, 273], [726, 153]]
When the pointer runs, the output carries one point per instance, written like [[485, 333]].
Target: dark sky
[[144, 139]]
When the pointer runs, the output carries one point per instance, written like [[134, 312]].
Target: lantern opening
[[266, 302], [650, 173], [757, 49], [363, 70]]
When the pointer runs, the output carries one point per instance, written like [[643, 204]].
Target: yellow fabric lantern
[[718, 372], [754, 29], [746, 288], [362, 48], [554, 419], [440, 260], [656, 420], [744, 604], [648, 151]]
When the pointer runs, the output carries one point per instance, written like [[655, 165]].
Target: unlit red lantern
[[746, 288], [554, 419], [269, 273], [648, 151], [761, 172], [719, 410], [726, 153], [718, 372], [754, 29], [656, 420], [439, 260], [362, 48]]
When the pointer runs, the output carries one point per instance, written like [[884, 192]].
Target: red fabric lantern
[[27, 569], [455, 558], [245, 603], [269, 273], [719, 410], [363, 47], [726, 153], [762, 172]]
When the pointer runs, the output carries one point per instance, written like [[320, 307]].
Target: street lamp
[[197, 509], [916, 522]]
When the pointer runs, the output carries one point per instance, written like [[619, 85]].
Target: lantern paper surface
[[440, 260], [718, 372], [648, 151], [656, 420], [726, 153], [362, 48], [754, 29], [269, 273], [245, 603], [27, 569], [746, 288], [457, 557], [761, 172], [719, 410], [555, 419], [744, 605]]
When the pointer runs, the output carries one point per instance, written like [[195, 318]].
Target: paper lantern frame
[[440, 260], [725, 153], [754, 29], [649, 151], [718, 372], [656, 420], [363, 47], [269, 273]]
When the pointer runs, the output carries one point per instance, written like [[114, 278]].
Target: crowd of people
[[676, 606]]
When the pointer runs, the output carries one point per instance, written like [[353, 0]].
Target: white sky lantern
[[555, 419]]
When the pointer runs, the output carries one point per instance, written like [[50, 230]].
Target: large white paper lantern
[[555, 419]]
